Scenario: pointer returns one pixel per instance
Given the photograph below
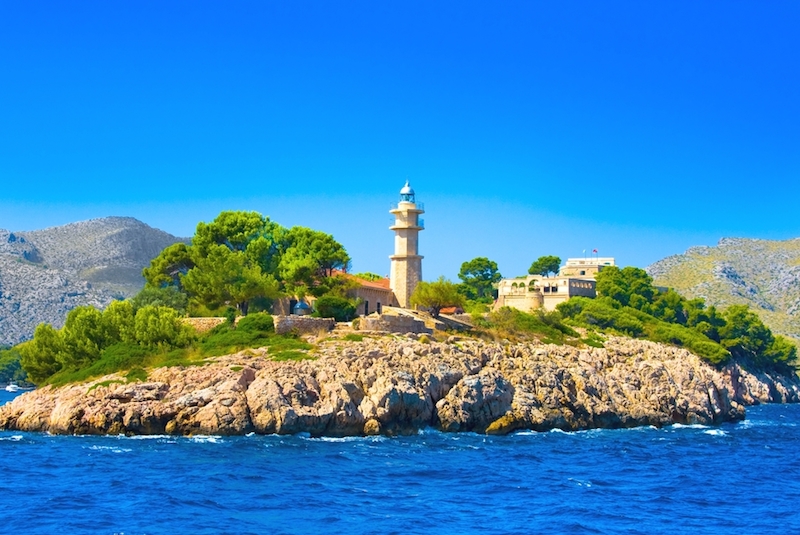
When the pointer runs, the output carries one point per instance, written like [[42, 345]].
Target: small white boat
[[12, 388]]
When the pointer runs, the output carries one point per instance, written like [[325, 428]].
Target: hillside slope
[[46, 273], [764, 274]]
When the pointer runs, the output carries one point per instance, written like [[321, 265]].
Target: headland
[[400, 384]]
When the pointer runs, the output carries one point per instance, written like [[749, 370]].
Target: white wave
[[580, 482], [716, 432], [13, 438], [145, 437], [112, 449], [206, 439], [377, 438], [690, 426]]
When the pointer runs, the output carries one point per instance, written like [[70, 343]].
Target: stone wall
[[203, 325], [302, 324], [393, 324]]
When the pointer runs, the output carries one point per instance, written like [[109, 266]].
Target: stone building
[[584, 267], [406, 262], [576, 278], [372, 295], [406, 269]]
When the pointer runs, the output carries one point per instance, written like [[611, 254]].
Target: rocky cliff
[[764, 274], [46, 273], [393, 385]]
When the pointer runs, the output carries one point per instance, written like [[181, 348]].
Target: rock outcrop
[[394, 385]]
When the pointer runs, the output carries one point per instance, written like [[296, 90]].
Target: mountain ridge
[[764, 274], [46, 273]]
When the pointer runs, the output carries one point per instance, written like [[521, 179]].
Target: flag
[[594, 251]]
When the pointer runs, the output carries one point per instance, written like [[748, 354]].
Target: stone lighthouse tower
[[406, 261]]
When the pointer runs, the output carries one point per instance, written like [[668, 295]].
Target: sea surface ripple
[[742, 478]]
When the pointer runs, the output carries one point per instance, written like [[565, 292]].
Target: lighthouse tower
[[406, 261]]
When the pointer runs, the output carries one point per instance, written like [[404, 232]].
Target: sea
[[735, 478]]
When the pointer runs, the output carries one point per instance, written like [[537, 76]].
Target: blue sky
[[526, 128]]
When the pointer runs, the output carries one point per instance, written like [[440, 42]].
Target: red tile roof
[[382, 284]]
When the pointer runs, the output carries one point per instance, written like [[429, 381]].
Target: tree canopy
[[88, 332], [436, 295], [545, 265], [630, 303], [479, 276], [629, 285], [241, 258]]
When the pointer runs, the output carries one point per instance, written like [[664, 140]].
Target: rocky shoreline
[[399, 385]]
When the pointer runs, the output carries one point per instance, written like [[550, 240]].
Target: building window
[[366, 308], [378, 307], [583, 272]]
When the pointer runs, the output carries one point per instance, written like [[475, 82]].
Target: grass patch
[[290, 354], [515, 325], [136, 374], [237, 368], [353, 337], [593, 340]]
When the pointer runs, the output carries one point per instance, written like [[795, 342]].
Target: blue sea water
[[737, 478]]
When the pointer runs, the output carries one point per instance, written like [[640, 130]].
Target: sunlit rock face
[[396, 385]]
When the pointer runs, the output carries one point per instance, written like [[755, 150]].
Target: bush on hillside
[[338, 308], [259, 322]]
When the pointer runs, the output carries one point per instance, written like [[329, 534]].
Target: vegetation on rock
[[630, 304], [332, 306], [244, 259], [762, 274], [436, 295], [94, 343], [10, 367]]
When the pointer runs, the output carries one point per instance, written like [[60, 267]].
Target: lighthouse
[[406, 261]]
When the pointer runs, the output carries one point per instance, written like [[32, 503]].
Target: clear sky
[[526, 128]]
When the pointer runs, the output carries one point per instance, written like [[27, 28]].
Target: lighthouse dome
[[407, 193]]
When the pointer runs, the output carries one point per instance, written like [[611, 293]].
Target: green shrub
[[353, 337], [167, 296], [696, 342], [512, 323], [259, 322], [332, 306], [136, 374], [160, 326]]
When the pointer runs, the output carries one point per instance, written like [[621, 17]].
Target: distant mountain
[[46, 273], [764, 274]]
